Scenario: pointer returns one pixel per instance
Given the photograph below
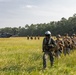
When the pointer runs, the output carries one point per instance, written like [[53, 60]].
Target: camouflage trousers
[[66, 51], [58, 53], [47, 53]]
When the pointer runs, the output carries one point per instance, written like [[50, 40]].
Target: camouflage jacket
[[59, 44], [48, 44], [67, 41]]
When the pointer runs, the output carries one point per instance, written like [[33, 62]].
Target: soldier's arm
[[53, 42]]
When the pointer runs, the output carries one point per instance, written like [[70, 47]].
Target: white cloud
[[29, 6]]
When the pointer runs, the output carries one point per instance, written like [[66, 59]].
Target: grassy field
[[19, 56]]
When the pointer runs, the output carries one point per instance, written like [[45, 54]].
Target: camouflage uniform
[[60, 45], [27, 37], [74, 41], [67, 43], [48, 44]]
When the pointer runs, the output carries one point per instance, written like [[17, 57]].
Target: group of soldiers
[[55, 47], [31, 37]]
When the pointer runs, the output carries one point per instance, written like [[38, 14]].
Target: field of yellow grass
[[19, 56]]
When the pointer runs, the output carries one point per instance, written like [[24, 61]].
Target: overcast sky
[[15, 13]]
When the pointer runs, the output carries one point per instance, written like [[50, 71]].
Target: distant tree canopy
[[56, 27]]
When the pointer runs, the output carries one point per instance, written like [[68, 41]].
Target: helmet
[[58, 36], [73, 34], [66, 34], [47, 33]]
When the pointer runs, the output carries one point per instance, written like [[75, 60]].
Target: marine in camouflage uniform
[[48, 44], [60, 45], [67, 44], [74, 41]]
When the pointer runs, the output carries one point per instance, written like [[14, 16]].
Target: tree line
[[56, 27]]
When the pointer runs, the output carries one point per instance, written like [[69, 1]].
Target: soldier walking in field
[[38, 37], [60, 45], [74, 41], [31, 37], [67, 44], [35, 37], [48, 44], [27, 37]]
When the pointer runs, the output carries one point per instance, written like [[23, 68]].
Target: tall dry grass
[[19, 56]]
